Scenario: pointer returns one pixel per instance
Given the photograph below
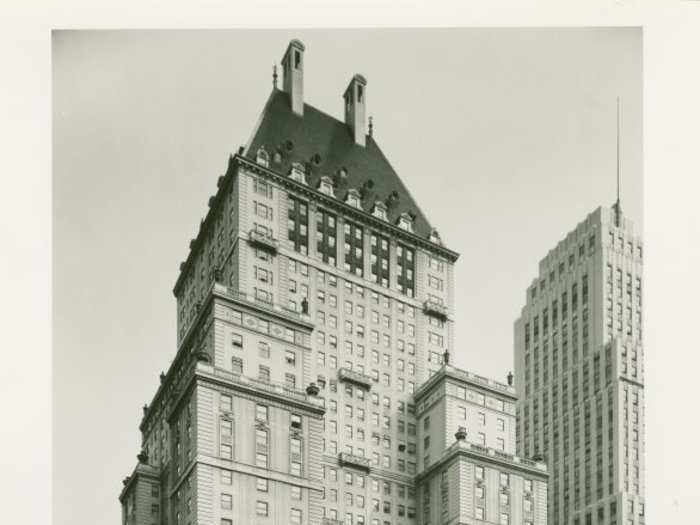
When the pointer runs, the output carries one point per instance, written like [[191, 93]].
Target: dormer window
[[262, 157], [353, 199], [435, 237], [298, 173], [406, 222], [379, 210], [326, 186]]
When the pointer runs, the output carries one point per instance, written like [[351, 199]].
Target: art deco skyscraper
[[579, 373]]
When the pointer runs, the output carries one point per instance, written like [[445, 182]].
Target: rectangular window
[[261, 413], [298, 225], [261, 508], [326, 236], [379, 259], [353, 248], [262, 187], [405, 275], [237, 365]]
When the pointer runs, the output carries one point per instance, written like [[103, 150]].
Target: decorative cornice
[[473, 452], [360, 215]]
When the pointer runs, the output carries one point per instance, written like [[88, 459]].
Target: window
[[290, 380], [261, 508], [290, 357], [261, 485], [263, 373], [504, 479], [225, 403], [479, 513], [295, 516], [262, 187], [405, 275], [504, 519], [237, 365], [264, 350], [226, 477], [226, 501], [298, 224], [236, 340], [479, 472], [353, 249], [261, 413], [379, 259], [326, 236]]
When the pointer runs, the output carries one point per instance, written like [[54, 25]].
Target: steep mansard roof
[[325, 146]]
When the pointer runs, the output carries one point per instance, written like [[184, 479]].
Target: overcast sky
[[506, 138]]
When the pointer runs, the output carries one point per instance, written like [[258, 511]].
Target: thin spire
[[274, 76], [371, 126], [617, 201]]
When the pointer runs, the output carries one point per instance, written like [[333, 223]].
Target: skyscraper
[[579, 373], [314, 300]]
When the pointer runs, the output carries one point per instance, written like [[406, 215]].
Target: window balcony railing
[[331, 521], [351, 460], [434, 308], [363, 380], [263, 240]]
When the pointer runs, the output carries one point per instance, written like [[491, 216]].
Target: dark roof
[[317, 133]]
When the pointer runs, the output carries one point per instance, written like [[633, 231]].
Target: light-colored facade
[[579, 373], [315, 299], [468, 472]]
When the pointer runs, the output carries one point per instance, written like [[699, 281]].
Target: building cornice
[[488, 456], [360, 215], [483, 383]]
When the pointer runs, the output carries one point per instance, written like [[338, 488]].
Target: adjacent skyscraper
[[579, 373]]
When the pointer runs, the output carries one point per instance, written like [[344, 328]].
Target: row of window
[[562, 265], [353, 247]]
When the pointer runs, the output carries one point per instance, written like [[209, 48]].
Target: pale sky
[[506, 139]]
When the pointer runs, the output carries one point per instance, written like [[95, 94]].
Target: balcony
[[435, 309], [351, 460], [261, 240], [345, 374], [331, 521]]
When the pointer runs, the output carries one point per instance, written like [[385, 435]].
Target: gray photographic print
[[405, 267]]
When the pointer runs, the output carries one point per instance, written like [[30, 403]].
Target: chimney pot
[[293, 75], [355, 106]]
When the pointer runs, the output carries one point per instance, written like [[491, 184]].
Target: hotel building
[[314, 301]]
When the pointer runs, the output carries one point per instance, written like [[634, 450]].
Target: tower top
[[618, 209]]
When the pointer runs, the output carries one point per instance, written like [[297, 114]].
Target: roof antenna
[[274, 76], [371, 126], [617, 202]]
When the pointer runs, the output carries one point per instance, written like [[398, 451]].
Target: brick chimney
[[293, 75], [355, 97]]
